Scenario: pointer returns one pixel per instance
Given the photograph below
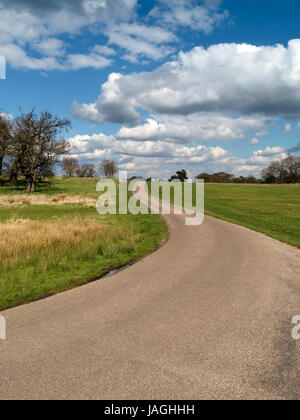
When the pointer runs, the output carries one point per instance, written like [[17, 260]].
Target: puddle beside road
[[114, 272]]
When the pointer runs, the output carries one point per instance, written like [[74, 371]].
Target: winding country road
[[208, 316]]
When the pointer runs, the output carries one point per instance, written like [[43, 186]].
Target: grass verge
[[47, 246], [270, 209]]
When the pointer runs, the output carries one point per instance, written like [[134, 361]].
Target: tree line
[[71, 168], [284, 171]]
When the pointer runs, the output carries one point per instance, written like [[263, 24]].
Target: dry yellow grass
[[25, 241], [56, 200]]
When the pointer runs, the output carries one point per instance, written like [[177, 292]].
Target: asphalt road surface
[[208, 316]]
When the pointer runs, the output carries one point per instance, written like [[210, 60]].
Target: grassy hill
[[55, 240]]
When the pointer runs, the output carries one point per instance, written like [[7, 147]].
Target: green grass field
[[270, 209], [47, 249], [55, 186]]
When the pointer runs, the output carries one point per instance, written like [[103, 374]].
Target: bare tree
[[285, 171], [70, 166], [86, 171], [5, 138], [108, 168], [36, 148]]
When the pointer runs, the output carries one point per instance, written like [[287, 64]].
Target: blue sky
[[158, 85]]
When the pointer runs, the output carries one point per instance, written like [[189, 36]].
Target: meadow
[[55, 240], [273, 210], [270, 209]]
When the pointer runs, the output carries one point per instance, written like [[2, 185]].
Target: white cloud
[[79, 61], [254, 142], [199, 127], [163, 157], [35, 27], [262, 133], [288, 128], [104, 50], [50, 46], [86, 111], [187, 13], [141, 41], [231, 78], [264, 157], [18, 58], [28, 26]]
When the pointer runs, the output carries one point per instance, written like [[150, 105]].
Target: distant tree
[[70, 166], [270, 174], [108, 168], [206, 177], [218, 178], [86, 171], [180, 176], [246, 180], [5, 138], [292, 166], [36, 148], [285, 171], [252, 180]]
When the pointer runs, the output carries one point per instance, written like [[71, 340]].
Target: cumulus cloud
[[162, 157], [267, 155], [230, 78], [147, 149], [254, 142], [258, 161], [200, 127]]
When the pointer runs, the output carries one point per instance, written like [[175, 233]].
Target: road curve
[[208, 316]]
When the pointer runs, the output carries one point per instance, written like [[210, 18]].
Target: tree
[[285, 171], [246, 180], [70, 166], [86, 171], [180, 175], [206, 177], [223, 178], [108, 168], [5, 138], [36, 148], [292, 166], [218, 178]]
